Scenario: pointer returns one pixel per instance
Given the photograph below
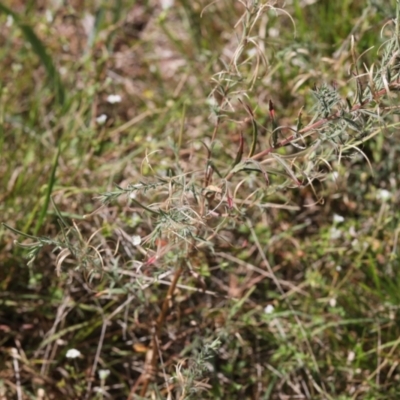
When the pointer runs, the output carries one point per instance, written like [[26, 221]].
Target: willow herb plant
[[190, 211]]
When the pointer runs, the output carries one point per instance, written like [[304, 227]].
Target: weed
[[230, 206]]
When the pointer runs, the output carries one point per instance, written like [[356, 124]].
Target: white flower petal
[[383, 194], [351, 356], [269, 309], [73, 353], [103, 374], [136, 240], [165, 4], [273, 32], [49, 16], [9, 21], [114, 98], [335, 233], [101, 119], [337, 218]]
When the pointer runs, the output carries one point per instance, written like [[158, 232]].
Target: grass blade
[[40, 50], [50, 185]]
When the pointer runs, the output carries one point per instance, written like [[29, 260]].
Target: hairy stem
[[318, 124]]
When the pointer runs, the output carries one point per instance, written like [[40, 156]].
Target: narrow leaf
[[275, 129], [40, 50], [287, 168], [254, 130], [240, 151], [50, 185], [61, 218], [19, 232]]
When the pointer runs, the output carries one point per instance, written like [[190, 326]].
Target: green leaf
[[49, 190]]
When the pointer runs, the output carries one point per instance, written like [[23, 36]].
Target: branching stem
[[318, 124]]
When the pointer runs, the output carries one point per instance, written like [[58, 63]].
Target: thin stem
[[318, 124], [152, 365]]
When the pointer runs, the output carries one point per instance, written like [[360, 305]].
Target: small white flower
[[136, 240], [63, 71], [383, 194], [165, 4], [269, 309], [73, 353], [273, 32], [103, 374], [197, 146], [49, 16], [101, 119], [332, 302], [16, 67], [338, 268], [337, 218], [251, 52], [352, 231], [114, 98], [351, 356], [136, 218], [9, 21], [335, 233]]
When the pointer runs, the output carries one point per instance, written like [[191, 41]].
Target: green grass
[[267, 266]]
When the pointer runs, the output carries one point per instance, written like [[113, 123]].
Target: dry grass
[[228, 229]]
